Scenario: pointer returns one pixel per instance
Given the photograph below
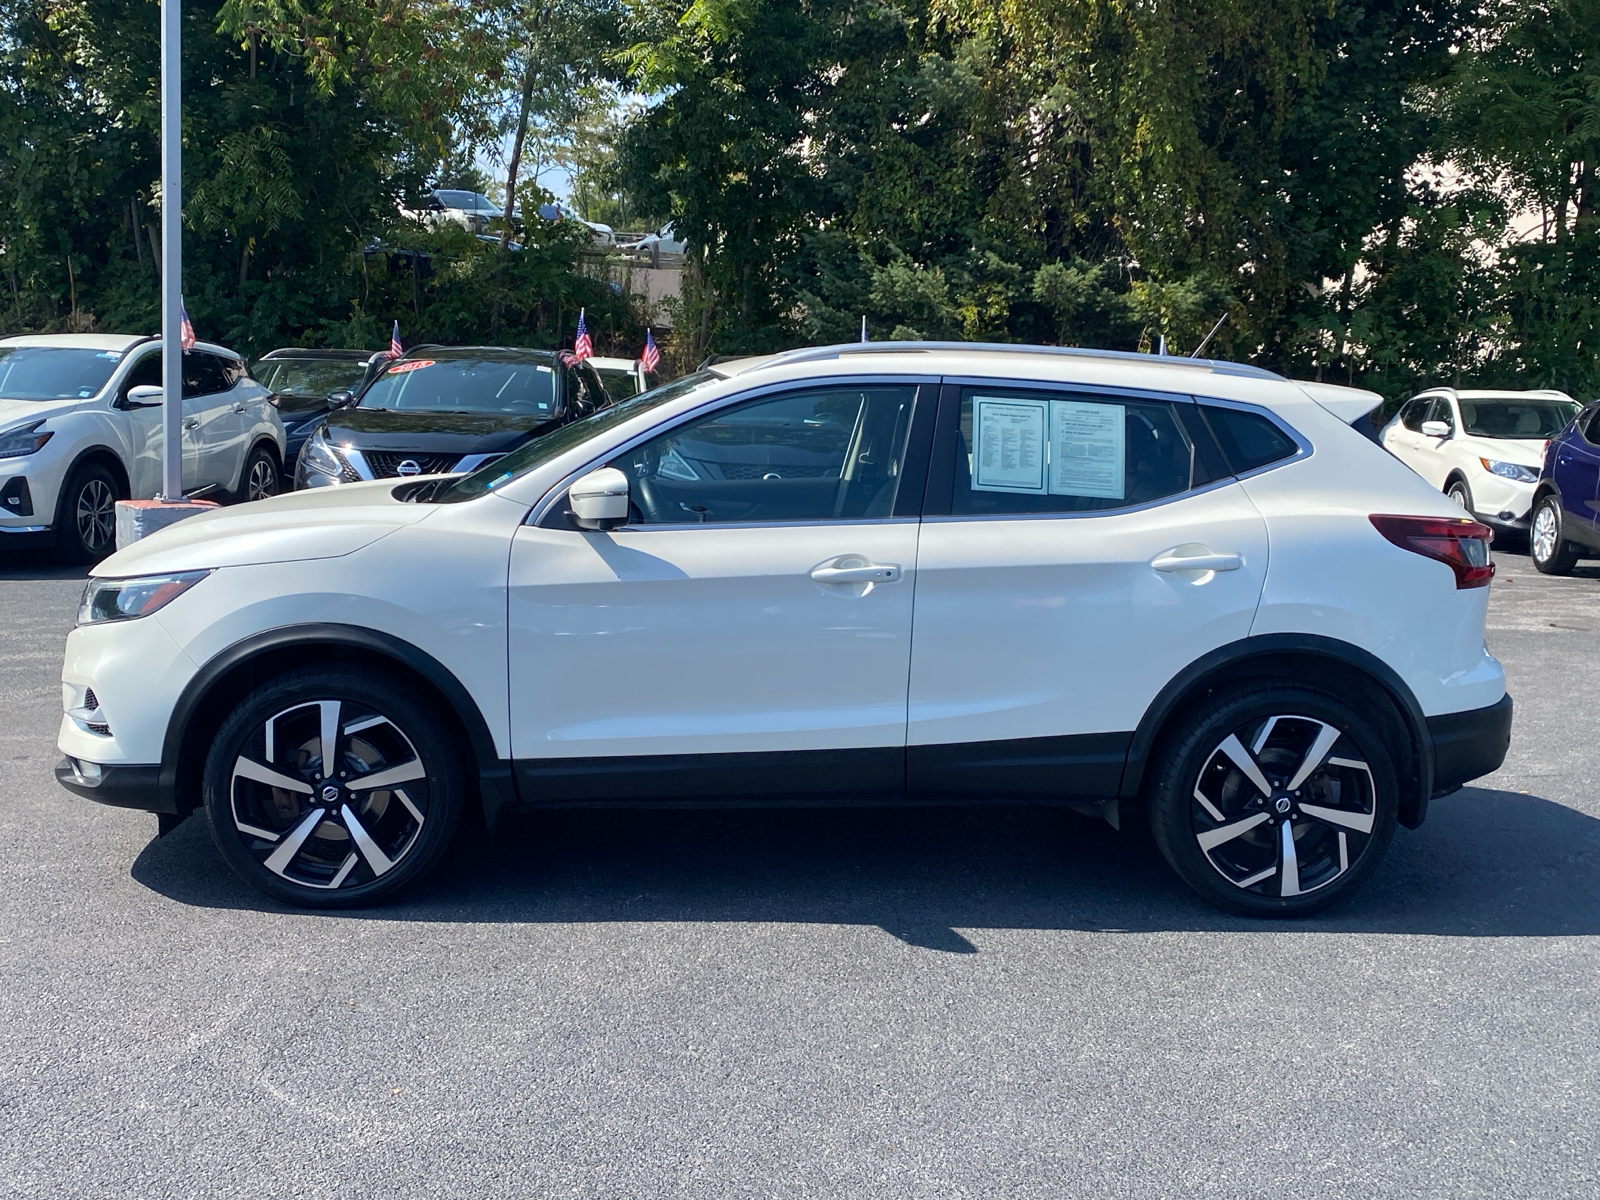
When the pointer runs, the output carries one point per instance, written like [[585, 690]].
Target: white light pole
[[171, 250]]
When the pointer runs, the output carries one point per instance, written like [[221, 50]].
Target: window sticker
[[1088, 449], [417, 365], [1008, 454], [546, 370], [113, 355]]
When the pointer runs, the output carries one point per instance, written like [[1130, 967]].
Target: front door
[[749, 631], [141, 428], [211, 429], [1577, 476], [1089, 548]]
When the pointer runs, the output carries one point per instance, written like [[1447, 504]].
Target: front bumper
[[121, 785], [1467, 745]]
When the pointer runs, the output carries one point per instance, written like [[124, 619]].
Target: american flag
[[395, 350], [185, 329], [651, 358], [582, 348]]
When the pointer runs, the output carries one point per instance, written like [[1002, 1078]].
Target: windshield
[[1516, 419], [542, 450], [54, 372], [619, 384], [467, 385], [307, 376]]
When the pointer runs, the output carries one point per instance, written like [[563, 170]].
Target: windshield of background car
[[619, 385], [1517, 418], [556, 443], [307, 376], [465, 385], [54, 372]]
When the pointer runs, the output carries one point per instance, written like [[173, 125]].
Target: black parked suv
[[308, 384], [445, 409]]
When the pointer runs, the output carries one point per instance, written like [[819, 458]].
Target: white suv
[[1481, 448], [80, 429], [855, 575]]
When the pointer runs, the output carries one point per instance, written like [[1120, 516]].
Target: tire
[[370, 842], [1552, 554], [261, 477], [86, 515], [1228, 838], [1458, 491]]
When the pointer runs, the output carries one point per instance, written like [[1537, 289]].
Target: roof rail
[[822, 353]]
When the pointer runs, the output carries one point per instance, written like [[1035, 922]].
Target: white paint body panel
[[705, 639]]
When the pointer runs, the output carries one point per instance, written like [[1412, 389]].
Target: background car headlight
[[124, 599], [23, 440], [1507, 470], [322, 458]]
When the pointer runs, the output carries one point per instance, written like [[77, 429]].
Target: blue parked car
[[1565, 525]]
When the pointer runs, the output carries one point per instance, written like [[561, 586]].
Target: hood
[[295, 409], [432, 432], [25, 412], [323, 523], [1527, 452]]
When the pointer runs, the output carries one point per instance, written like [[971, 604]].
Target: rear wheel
[[261, 476], [1274, 800], [332, 788], [1552, 554], [86, 515]]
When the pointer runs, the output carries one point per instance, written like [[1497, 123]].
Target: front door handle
[[238, 408], [1174, 560], [192, 423], [871, 573]]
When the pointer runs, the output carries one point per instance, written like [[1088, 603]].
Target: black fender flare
[[494, 773], [1193, 678]]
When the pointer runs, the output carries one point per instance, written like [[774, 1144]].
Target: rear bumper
[[1467, 745], [129, 785]]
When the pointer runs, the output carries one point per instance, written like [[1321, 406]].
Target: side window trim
[[549, 511]]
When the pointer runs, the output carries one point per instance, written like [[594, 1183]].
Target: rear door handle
[[1197, 562], [872, 573], [238, 408]]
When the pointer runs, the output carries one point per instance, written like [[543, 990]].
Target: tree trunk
[[516, 150]]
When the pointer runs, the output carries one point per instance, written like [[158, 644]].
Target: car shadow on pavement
[[37, 564], [1487, 864]]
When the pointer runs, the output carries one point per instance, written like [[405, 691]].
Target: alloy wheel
[[263, 480], [329, 795], [96, 514], [1284, 806], [1458, 493], [1546, 532]]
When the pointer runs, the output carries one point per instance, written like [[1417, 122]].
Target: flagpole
[[171, 251]]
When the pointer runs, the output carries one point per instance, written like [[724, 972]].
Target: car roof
[[1496, 393], [508, 353], [600, 363], [329, 353], [80, 341]]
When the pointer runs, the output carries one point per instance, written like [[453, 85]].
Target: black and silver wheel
[[1461, 494], [1552, 554], [261, 477], [86, 515], [1275, 801], [330, 788]]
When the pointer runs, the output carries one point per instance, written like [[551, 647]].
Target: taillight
[[1459, 543]]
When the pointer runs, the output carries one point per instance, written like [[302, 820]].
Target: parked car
[[454, 206], [1167, 582], [81, 428], [622, 377], [442, 409], [664, 241], [307, 384], [1567, 497], [1481, 448]]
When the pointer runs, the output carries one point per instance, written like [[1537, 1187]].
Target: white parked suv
[[850, 575], [80, 429], [1481, 448]]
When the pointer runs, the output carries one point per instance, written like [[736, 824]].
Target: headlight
[[125, 599], [1507, 470], [320, 457], [23, 440]]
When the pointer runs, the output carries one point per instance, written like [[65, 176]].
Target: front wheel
[[86, 515], [331, 788], [1552, 554], [1461, 494], [1274, 800]]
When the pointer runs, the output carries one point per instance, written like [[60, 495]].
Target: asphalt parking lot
[[908, 1003]]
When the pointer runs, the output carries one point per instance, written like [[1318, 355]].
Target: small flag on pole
[[863, 327], [582, 347], [395, 349], [651, 358], [186, 337]]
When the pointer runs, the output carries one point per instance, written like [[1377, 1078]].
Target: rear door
[[1079, 550]]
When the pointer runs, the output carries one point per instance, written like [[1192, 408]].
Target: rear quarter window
[[1249, 441]]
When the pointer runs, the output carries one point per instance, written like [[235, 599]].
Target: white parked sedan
[[81, 428], [855, 575], [1481, 448]]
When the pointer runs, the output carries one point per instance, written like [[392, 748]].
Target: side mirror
[[342, 398], [600, 499], [1435, 429], [146, 395]]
